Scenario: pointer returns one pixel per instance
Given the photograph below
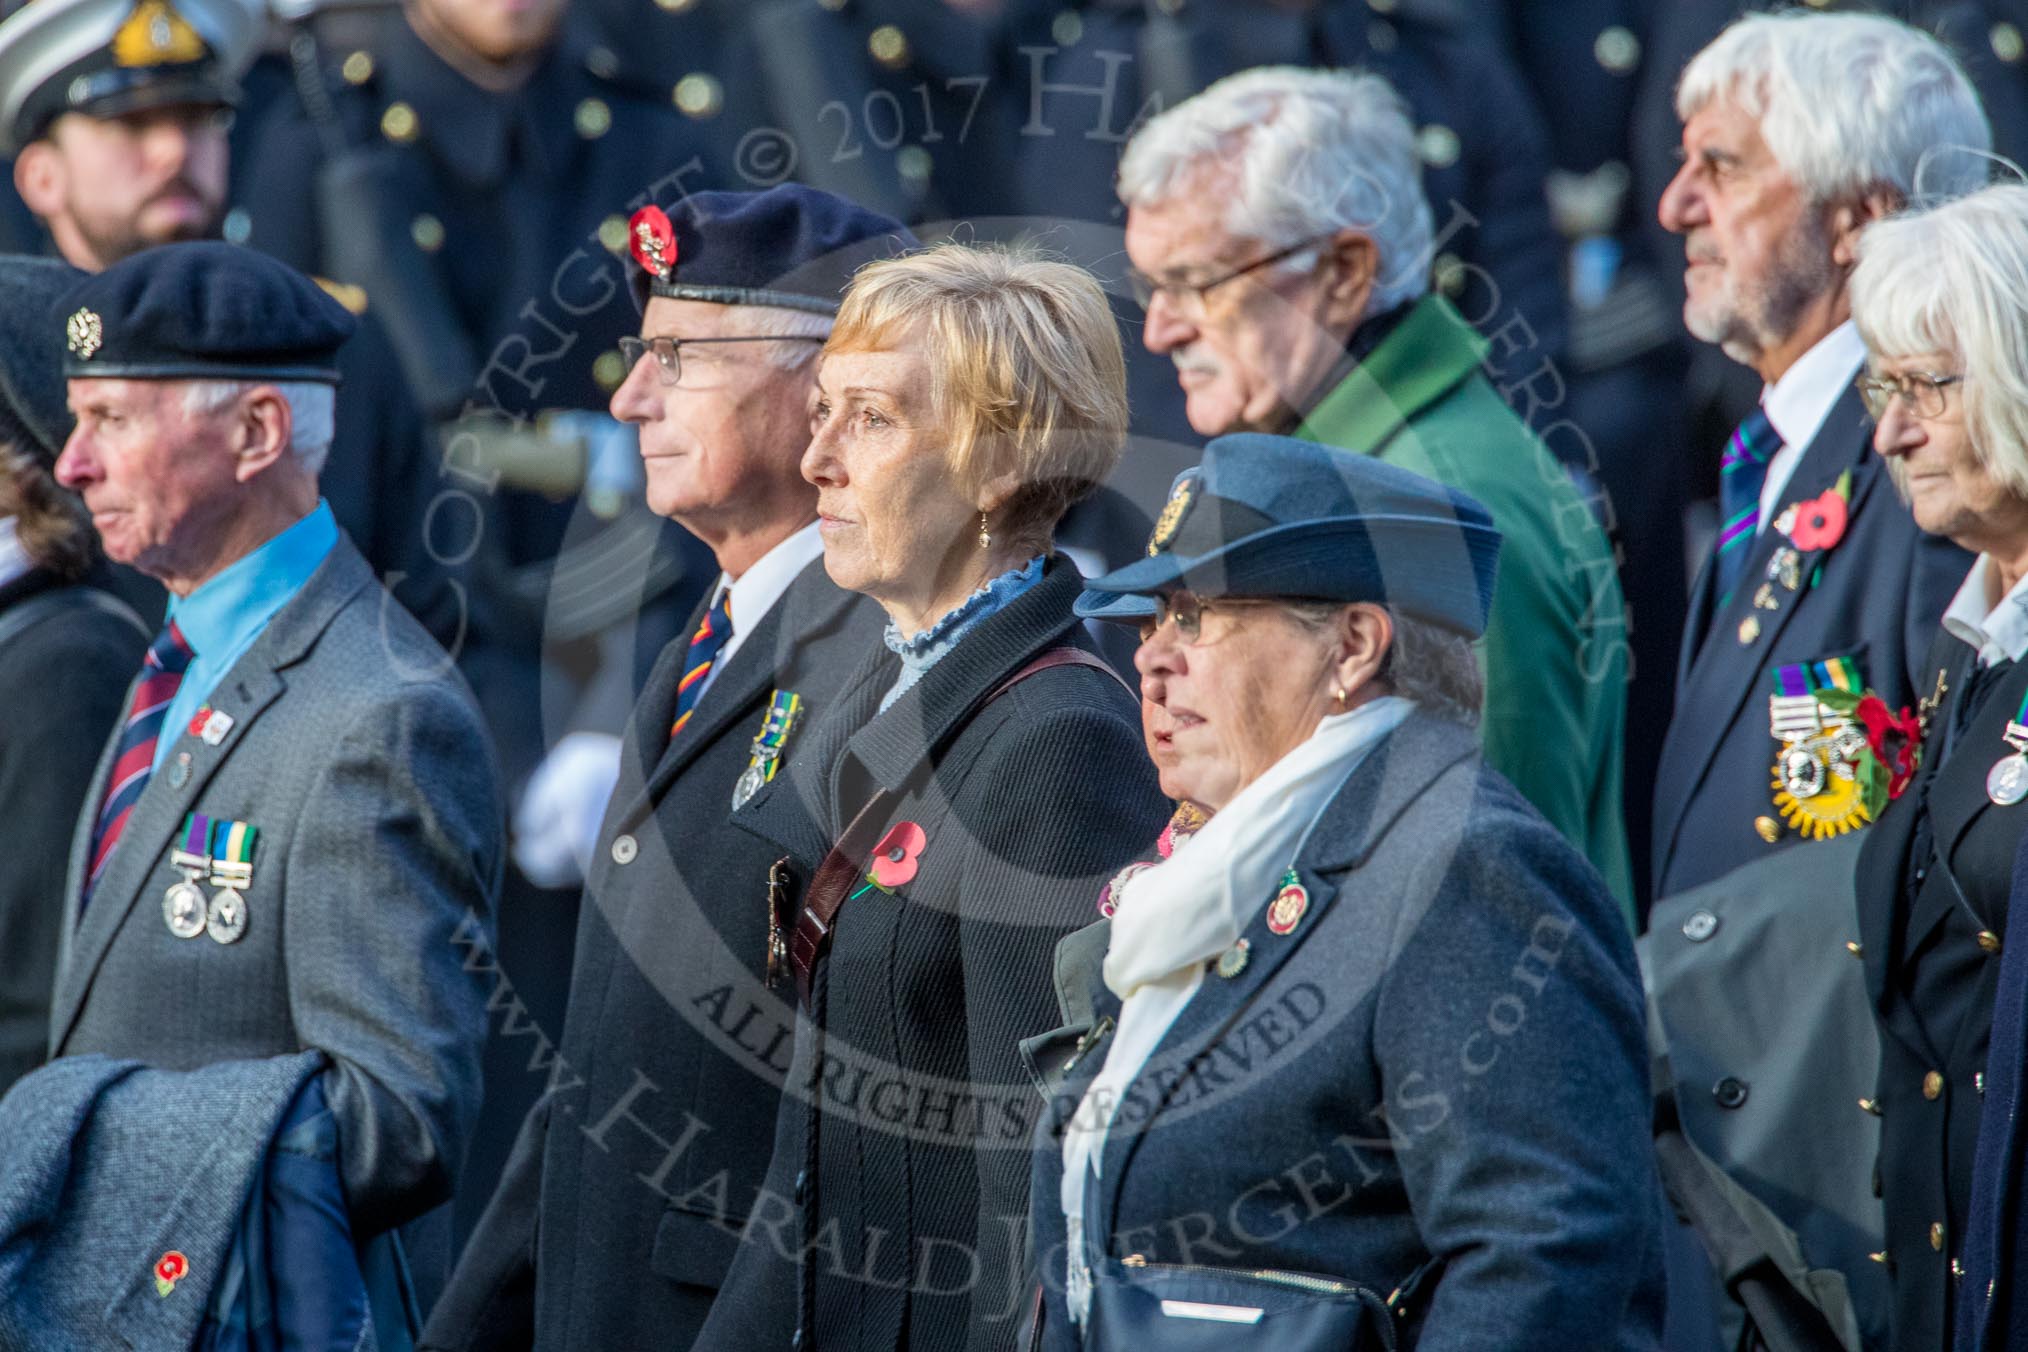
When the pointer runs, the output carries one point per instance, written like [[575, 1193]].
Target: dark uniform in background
[[374, 476]]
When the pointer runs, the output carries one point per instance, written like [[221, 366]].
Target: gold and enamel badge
[[1166, 526], [156, 35], [86, 334]]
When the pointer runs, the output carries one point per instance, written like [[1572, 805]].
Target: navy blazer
[[1445, 1058], [1882, 591], [1991, 1316], [674, 1047], [1931, 927]]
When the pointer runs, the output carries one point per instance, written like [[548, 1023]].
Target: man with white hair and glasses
[[1281, 245], [1800, 129]]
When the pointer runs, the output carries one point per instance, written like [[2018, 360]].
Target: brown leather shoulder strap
[[842, 864]]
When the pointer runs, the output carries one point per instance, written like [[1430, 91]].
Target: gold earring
[[985, 535], [1338, 693]]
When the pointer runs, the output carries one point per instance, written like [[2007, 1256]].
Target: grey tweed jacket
[[360, 756]]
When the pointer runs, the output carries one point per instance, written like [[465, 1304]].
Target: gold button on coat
[[1989, 941], [1936, 1235], [624, 849], [399, 123], [1932, 1085], [1854, 947], [1768, 829], [1749, 630]]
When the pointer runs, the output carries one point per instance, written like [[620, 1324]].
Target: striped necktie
[[705, 646], [134, 760], [1740, 476]]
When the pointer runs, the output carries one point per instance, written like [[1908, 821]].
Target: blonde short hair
[[1026, 367], [1954, 279]]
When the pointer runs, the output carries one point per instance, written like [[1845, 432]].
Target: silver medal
[[227, 919], [750, 783], [2007, 781], [183, 910]]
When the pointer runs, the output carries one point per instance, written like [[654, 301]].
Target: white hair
[[1310, 152], [777, 321], [1954, 280], [1435, 668], [312, 404], [1847, 103]]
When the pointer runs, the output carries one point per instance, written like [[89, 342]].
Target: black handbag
[[1138, 1306]]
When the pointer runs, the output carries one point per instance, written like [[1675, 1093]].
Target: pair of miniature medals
[[223, 852]]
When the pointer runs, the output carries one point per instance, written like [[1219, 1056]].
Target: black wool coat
[[896, 1200]]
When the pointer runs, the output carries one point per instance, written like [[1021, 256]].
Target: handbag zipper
[[1301, 1281]]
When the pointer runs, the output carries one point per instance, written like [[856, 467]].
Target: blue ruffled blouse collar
[[921, 652]]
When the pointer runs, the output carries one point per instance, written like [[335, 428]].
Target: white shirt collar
[[14, 560], [1999, 632], [1801, 400], [755, 591]]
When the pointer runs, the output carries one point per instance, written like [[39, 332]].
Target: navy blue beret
[[790, 246], [200, 311], [34, 415], [1275, 516]]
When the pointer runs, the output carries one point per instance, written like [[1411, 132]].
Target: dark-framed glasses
[[668, 351], [1189, 297], [1188, 610], [1922, 391]]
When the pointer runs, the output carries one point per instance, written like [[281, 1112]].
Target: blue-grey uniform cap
[[105, 58], [1275, 516]]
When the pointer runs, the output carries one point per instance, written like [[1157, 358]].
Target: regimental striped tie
[[168, 657], [705, 646], [1740, 476]]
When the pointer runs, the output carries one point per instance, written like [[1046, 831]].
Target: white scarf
[[1178, 915]]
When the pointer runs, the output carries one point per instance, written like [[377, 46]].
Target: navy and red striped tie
[[161, 674], [705, 645]]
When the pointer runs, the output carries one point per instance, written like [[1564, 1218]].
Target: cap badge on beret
[[86, 334], [654, 241], [1171, 520], [156, 35]]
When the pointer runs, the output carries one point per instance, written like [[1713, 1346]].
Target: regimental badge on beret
[[156, 35], [86, 334], [653, 241], [1173, 511]]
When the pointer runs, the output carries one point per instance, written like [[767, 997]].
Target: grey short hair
[[776, 322], [1434, 668], [1954, 279], [1847, 103], [313, 408], [1312, 152]]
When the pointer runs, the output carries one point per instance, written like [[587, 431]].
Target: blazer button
[[1729, 1092], [802, 1186], [1932, 1086], [1870, 1105], [1854, 947], [1989, 941], [624, 850], [1700, 926], [1936, 1235]]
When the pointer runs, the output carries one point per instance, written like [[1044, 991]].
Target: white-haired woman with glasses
[[1941, 298]]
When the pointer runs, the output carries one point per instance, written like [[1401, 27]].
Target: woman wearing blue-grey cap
[[1361, 1063], [66, 651], [952, 816]]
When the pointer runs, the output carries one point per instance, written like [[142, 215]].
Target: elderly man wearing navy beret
[[297, 817], [620, 1210]]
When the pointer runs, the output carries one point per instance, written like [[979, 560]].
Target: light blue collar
[[922, 652], [228, 612]]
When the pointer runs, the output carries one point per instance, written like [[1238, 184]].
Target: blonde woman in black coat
[[973, 787]]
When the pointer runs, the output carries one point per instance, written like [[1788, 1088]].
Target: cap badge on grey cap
[[86, 332]]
